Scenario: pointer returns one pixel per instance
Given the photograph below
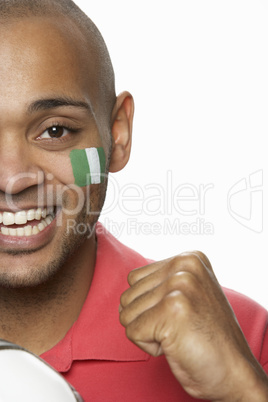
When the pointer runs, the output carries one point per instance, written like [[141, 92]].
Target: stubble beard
[[54, 271], [30, 277]]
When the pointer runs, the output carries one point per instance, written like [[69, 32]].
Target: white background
[[198, 74]]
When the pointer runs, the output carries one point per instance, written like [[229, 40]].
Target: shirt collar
[[97, 334]]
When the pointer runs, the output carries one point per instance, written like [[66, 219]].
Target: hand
[[178, 308]]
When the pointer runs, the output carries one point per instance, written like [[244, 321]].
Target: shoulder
[[245, 308], [111, 251], [253, 320]]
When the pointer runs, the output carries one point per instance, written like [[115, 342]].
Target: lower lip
[[29, 242]]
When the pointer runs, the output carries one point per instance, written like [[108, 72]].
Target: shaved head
[[11, 10]]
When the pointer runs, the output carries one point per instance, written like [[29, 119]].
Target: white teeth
[[20, 218], [30, 215], [49, 219], [28, 231], [41, 226], [38, 214], [5, 231], [8, 218], [20, 232], [13, 232], [45, 216], [35, 230]]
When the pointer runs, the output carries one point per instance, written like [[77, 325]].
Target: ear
[[122, 121]]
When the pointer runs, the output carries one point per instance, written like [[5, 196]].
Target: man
[[61, 287]]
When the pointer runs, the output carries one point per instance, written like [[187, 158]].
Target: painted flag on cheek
[[88, 166]]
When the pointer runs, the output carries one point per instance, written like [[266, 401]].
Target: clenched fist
[[176, 307]]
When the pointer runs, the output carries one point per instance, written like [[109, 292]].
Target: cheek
[[59, 167], [81, 168]]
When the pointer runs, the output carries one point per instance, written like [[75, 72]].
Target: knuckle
[[188, 262], [174, 263], [182, 281], [124, 299], [171, 283], [186, 281], [202, 258], [135, 329], [122, 318], [130, 333], [131, 278], [195, 262], [175, 303]]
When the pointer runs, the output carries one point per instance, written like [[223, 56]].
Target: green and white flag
[[88, 166]]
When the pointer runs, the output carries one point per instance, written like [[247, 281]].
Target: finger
[[133, 304], [146, 283], [197, 263], [157, 325], [144, 279], [140, 273], [175, 264]]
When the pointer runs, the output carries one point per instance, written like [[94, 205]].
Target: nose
[[18, 169]]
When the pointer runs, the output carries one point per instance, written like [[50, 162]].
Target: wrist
[[248, 385]]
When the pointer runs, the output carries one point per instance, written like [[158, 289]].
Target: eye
[[55, 132]]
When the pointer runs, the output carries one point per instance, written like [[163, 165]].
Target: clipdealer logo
[[155, 208], [245, 201], [158, 208]]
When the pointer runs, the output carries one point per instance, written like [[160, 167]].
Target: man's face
[[48, 91]]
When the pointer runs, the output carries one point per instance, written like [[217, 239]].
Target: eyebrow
[[53, 103]]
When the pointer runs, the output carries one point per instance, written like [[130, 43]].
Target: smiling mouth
[[26, 222]]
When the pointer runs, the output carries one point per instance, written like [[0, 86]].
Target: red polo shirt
[[103, 365]]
